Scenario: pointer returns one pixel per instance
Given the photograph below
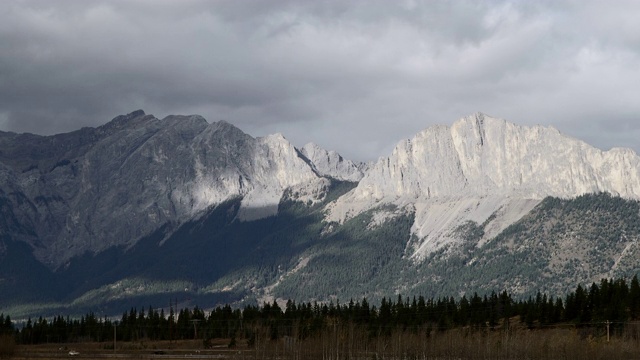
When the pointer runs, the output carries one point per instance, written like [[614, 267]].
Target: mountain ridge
[[483, 167], [116, 183], [244, 218]]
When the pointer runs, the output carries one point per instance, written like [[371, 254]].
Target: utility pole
[[335, 327], [171, 318], [608, 322], [195, 329], [115, 324]]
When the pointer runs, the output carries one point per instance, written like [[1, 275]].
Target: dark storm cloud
[[354, 76]]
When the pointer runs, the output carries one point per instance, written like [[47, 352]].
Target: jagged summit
[[332, 164], [133, 119], [128, 117], [223, 125], [138, 118]]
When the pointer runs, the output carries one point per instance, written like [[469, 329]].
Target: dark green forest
[[612, 302], [560, 243]]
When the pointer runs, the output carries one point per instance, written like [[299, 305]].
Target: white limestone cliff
[[276, 167], [483, 166]]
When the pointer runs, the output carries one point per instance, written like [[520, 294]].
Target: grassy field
[[130, 350], [453, 344]]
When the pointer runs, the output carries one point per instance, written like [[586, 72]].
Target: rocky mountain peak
[[331, 164], [481, 166], [185, 121], [223, 126], [132, 119], [112, 185]]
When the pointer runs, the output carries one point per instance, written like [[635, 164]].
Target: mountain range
[[142, 210]]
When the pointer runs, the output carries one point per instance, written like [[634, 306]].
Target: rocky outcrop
[[332, 164]]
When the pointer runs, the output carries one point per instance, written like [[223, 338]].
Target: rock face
[[331, 164], [430, 217], [92, 189], [98, 188], [485, 169]]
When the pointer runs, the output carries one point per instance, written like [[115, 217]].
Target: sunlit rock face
[[331, 164], [485, 169], [96, 188]]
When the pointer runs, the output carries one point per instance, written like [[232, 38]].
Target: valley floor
[[555, 343]]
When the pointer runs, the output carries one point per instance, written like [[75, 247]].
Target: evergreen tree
[[634, 298]]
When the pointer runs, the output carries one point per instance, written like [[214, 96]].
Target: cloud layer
[[354, 76]]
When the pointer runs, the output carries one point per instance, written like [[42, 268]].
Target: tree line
[[614, 301]]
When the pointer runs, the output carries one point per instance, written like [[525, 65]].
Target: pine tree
[[634, 298]]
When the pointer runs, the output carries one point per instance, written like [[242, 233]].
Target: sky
[[352, 76]]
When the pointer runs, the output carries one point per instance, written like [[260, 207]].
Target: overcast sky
[[352, 76]]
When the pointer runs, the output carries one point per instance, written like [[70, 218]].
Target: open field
[[189, 349], [453, 344]]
